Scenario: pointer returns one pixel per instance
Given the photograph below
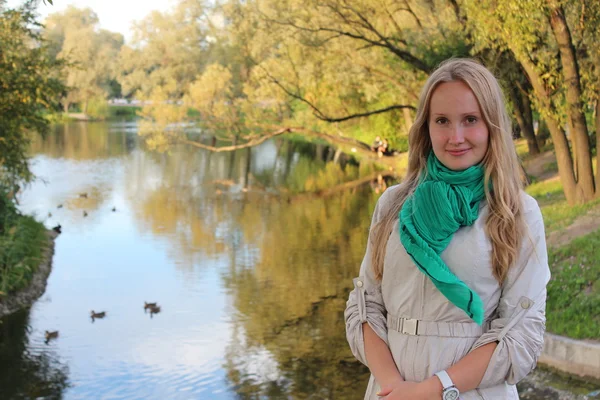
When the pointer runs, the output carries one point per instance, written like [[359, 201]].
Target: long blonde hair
[[504, 224]]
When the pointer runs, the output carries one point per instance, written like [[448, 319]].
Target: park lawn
[[573, 307]]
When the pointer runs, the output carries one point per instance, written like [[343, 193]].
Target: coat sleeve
[[365, 303], [521, 323]]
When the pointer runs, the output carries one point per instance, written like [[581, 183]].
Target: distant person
[[451, 295], [377, 143], [383, 148]]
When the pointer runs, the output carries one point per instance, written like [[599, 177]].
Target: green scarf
[[444, 201]]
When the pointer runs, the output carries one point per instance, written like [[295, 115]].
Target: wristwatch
[[450, 391]]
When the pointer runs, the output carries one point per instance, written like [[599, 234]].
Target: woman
[[451, 295]]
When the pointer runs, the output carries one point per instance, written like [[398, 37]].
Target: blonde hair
[[504, 224]]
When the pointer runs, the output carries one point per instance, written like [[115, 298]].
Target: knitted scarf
[[444, 201]]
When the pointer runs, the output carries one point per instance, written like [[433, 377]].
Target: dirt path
[[584, 224], [538, 166]]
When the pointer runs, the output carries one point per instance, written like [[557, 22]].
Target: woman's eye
[[441, 120], [471, 120]]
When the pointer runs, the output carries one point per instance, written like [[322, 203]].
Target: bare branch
[[296, 96], [456, 9], [411, 12], [368, 113], [320, 115], [383, 42], [251, 143]]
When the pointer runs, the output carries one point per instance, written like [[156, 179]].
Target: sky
[[114, 15]]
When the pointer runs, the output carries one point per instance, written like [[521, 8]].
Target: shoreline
[[25, 297]]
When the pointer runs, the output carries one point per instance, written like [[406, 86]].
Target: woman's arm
[[379, 357], [465, 374], [365, 315]]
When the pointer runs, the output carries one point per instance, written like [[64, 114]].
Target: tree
[[28, 88], [550, 39], [167, 52], [335, 69], [90, 52]]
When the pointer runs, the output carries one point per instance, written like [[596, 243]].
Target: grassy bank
[[22, 243], [573, 307], [105, 114]]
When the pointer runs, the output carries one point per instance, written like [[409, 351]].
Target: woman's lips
[[457, 152]]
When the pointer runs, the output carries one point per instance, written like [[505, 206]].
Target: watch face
[[451, 394]]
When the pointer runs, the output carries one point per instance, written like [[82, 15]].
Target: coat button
[[525, 304], [359, 284]]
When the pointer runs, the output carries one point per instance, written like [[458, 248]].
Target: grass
[[22, 242], [573, 307]]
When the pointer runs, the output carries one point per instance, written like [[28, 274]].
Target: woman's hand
[[430, 389]]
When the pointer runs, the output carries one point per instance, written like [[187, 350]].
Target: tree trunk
[[247, 167], [289, 157], [576, 117], [66, 105], [597, 148], [561, 144], [524, 116], [336, 156], [320, 152]]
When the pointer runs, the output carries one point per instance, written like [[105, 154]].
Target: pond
[[251, 274]]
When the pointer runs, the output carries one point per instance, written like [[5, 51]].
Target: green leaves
[[28, 89]]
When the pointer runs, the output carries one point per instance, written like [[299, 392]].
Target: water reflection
[[250, 275], [29, 369]]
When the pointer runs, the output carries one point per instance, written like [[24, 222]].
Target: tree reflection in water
[[289, 339], [28, 370], [291, 260]]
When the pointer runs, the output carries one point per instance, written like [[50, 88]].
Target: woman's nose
[[456, 135]]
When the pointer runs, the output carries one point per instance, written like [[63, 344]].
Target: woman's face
[[458, 133]]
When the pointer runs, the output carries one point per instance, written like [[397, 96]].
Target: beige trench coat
[[514, 312]]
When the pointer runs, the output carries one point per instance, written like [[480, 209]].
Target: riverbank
[[26, 296], [26, 250], [109, 113]]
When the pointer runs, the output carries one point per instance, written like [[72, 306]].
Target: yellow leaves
[[213, 87], [163, 120]]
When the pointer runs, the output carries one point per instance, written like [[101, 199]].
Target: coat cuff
[[520, 342], [363, 306]]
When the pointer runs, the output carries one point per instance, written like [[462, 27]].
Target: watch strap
[[445, 379]]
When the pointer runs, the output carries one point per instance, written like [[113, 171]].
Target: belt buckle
[[410, 326]]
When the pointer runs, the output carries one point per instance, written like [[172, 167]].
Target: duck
[[85, 214], [59, 206], [114, 209], [98, 315], [154, 310], [149, 306], [50, 335], [84, 195], [57, 229]]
